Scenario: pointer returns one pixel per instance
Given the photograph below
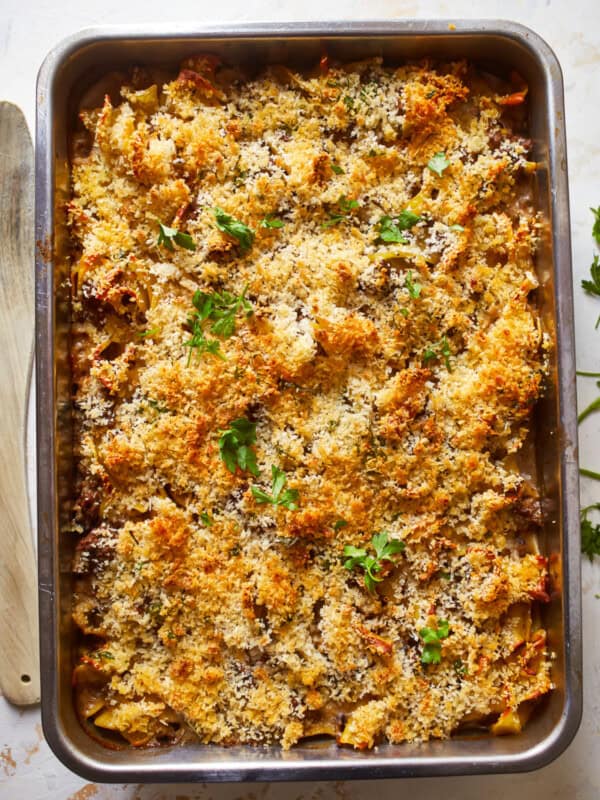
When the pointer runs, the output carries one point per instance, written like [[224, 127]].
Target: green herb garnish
[[341, 523], [337, 169], [414, 289], [456, 227], [221, 308], [345, 206], [439, 350], [390, 228], [199, 343], [278, 497], [169, 237], [432, 640], [271, 221], [371, 565], [234, 446], [206, 519], [235, 228], [438, 163], [348, 102]]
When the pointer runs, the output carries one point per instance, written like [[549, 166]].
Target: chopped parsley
[[438, 163], [199, 343], [339, 524], [235, 446], [414, 289], [206, 519], [278, 496], [169, 237], [391, 228], [348, 102], [590, 533], [358, 557], [345, 207], [271, 221], [235, 228], [337, 169], [221, 309], [439, 350], [432, 641]]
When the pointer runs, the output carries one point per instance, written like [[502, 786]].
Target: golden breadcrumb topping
[[305, 356]]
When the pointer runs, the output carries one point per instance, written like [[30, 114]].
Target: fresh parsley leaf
[[438, 163], [593, 286], [432, 641], [337, 169], [390, 228], [439, 350], [341, 523], [348, 102], [406, 219], [235, 228], [278, 497], [200, 344], [345, 206], [596, 228], [167, 236], [271, 221], [414, 289], [206, 519], [221, 308], [384, 548], [234, 446], [389, 231]]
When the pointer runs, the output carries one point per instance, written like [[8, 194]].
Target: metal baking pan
[[67, 72]]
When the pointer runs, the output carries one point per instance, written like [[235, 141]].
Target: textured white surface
[[28, 29]]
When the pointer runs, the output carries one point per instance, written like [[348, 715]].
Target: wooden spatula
[[19, 659]]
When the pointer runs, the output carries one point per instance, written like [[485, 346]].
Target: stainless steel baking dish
[[66, 73]]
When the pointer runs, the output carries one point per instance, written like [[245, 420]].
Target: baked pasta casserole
[[305, 352]]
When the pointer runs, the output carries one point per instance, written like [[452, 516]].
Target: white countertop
[[28, 29]]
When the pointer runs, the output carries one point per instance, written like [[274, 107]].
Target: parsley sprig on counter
[[169, 237], [233, 227], [432, 641], [278, 496], [235, 446], [590, 532], [357, 557]]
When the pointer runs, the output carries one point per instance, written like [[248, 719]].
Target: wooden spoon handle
[[19, 657]]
